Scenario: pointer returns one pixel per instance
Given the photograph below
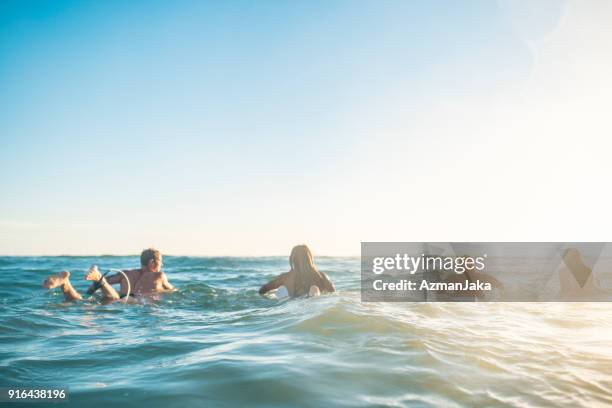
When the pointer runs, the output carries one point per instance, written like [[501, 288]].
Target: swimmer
[[146, 280], [576, 279], [302, 279]]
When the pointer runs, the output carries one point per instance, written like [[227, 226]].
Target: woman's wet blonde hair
[[306, 273]]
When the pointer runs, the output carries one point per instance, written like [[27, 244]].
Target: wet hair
[[306, 273], [149, 254]]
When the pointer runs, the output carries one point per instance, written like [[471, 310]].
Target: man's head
[[151, 260]]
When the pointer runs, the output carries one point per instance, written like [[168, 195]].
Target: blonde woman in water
[[302, 279]]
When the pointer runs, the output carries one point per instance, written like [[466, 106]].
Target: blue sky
[[242, 127]]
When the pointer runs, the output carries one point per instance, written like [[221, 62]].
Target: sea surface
[[216, 342]]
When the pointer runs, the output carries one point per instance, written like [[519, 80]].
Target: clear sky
[[246, 127]]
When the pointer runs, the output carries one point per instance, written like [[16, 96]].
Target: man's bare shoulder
[[161, 275]]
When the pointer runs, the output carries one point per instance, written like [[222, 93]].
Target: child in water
[[302, 279]]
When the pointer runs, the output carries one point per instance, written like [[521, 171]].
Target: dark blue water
[[216, 342]]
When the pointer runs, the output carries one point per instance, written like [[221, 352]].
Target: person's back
[[146, 280], [303, 278], [320, 281], [150, 282]]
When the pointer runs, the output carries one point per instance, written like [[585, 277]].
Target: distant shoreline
[[168, 255]]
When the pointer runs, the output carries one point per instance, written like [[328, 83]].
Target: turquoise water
[[216, 342]]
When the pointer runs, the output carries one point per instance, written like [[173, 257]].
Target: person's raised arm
[[274, 283]]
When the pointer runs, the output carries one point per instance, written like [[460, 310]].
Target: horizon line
[[172, 255]]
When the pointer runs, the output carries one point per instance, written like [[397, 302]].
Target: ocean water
[[216, 342]]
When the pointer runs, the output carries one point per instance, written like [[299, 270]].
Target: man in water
[[146, 280]]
